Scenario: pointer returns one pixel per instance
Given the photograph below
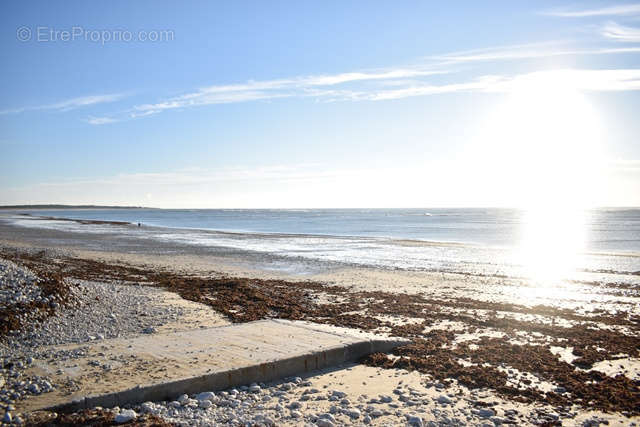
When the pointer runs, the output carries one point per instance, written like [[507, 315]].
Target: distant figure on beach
[[138, 224]]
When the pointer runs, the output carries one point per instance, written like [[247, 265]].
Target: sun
[[544, 145], [545, 139]]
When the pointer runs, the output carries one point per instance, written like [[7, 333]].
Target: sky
[[285, 104]]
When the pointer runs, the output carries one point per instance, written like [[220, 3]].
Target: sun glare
[[545, 142]]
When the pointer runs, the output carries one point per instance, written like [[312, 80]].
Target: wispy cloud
[[100, 120], [69, 104], [230, 187], [617, 10], [391, 86], [528, 51], [305, 172], [615, 31], [588, 80], [310, 86], [614, 80], [483, 83], [583, 80]]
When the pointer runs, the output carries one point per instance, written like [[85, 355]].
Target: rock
[[125, 416], [327, 416], [444, 399], [7, 417], [352, 413], [560, 390], [255, 388], [486, 413], [497, 420], [385, 398], [149, 330], [295, 405], [206, 395], [268, 421], [296, 414], [414, 421], [205, 404], [147, 407], [323, 422]]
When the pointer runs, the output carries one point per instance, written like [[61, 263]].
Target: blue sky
[[319, 104]]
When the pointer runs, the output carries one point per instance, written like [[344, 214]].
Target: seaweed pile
[[90, 417]]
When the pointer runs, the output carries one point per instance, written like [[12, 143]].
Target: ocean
[[594, 245]]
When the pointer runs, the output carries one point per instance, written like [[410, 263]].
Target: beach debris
[[125, 416]]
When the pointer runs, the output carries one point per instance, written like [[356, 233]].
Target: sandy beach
[[485, 350]]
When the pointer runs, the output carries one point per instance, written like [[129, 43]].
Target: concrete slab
[[164, 366]]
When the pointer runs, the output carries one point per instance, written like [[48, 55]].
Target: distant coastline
[[70, 207]]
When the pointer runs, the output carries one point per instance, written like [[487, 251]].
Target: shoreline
[[259, 252], [356, 297], [399, 240]]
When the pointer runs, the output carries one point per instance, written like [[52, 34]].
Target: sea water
[[478, 241]]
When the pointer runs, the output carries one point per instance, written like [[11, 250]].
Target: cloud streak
[[621, 33], [310, 86], [617, 10], [69, 104], [100, 120], [528, 51], [589, 80]]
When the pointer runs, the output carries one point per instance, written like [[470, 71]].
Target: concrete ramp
[[163, 366]]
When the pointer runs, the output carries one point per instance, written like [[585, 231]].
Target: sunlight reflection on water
[[552, 248]]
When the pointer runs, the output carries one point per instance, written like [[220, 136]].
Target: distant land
[[69, 207]]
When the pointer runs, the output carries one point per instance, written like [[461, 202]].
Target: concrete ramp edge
[[216, 381]]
